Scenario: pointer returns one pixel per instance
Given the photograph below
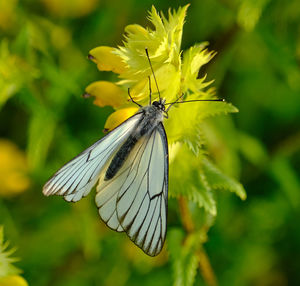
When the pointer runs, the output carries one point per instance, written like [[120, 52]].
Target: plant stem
[[204, 263], [186, 217], [206, 268]]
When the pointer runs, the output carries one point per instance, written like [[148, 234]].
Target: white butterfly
[[131, 165]]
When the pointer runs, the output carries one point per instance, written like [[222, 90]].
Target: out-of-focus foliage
[[8, 272], [43, 72]]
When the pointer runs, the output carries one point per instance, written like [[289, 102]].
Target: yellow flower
[[176, 71], [13, 169], [13, 280]]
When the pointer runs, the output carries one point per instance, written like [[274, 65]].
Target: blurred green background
[[44, 122]]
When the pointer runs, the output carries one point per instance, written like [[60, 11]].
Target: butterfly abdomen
[[151, 117], [119, 158]]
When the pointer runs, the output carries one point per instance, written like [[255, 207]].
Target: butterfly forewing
[[76, 178]]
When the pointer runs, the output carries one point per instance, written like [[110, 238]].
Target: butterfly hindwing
[[135, 199]]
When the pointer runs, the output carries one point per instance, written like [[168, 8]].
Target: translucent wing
[[135, 199], [76, 178]]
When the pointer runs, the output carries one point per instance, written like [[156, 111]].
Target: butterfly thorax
[[151, 116]]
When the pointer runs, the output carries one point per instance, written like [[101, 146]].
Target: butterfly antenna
[[153, 72], [150, 91], [172, 103], [131, 99]]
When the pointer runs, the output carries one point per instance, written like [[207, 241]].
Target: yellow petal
[[163, 44], [136, 29], [13, 280], [193, 59], [107, 93], [119, 116], [106, 60]]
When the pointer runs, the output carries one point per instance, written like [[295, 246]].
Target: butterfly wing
[[135, 199], [76, 178]]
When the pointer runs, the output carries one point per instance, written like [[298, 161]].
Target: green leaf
[[250, 12], [194, 58], [187, 179], [209, 109], [41, 131], [15, 73], [195, 178], [184, 126], [218, 180], [252, 149], [185, 121], [195, 141], [288, 179]]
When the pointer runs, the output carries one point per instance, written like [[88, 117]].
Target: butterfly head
[[160, 104]]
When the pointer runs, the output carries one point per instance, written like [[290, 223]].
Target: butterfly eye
[[156, 104]]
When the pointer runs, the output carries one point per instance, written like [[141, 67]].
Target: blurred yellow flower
[[175, 74], [7, 14], [13, 169], [13, 280], [70, 8]]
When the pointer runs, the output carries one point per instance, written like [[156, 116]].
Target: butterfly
[[131, 166]]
